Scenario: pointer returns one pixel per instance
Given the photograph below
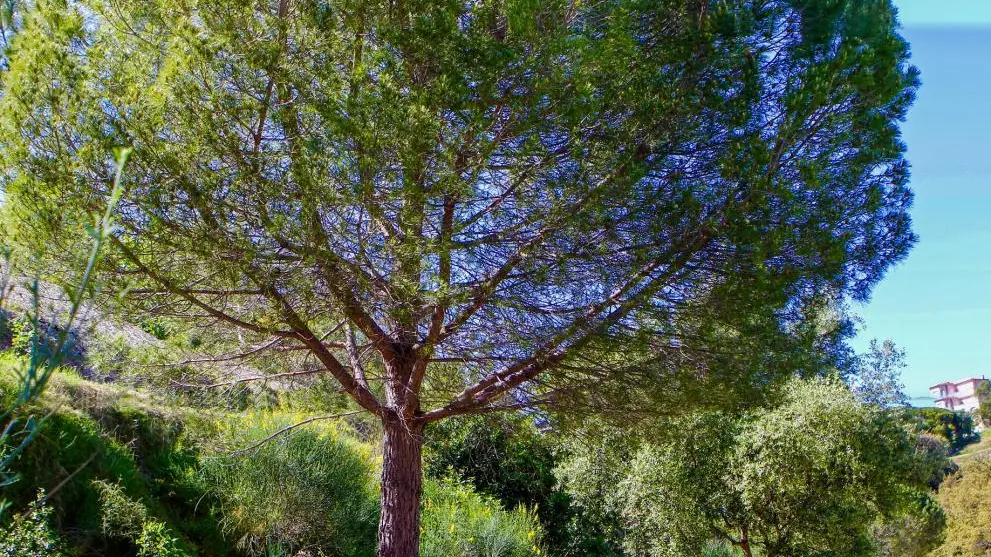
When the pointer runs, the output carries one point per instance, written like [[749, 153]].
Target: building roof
[[961, 382]]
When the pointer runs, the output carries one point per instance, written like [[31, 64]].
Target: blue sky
[[937, 304], [944, 13]]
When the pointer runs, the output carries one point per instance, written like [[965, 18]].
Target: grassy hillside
[[123, 474], [981, 448]]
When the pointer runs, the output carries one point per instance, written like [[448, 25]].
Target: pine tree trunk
[[402, 485]]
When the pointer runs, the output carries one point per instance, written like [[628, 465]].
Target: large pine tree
[[403, 188]]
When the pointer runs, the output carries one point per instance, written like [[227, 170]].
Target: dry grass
[[981, 448]]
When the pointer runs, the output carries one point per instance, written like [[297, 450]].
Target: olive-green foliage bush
[[826, 465], [932, 452], [311, 490], [967, 501], [670, 488], [30, 534], [717, 549], [128, 519], [915, 533], [922, 526], [808, 477], [457, 522]]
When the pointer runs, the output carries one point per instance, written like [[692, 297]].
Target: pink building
[[958, 395]]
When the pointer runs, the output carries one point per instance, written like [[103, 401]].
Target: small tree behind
[[809, 477], [878, 377]]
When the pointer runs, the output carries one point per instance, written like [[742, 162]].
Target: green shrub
[[21, 331], [157, 541], [158, 327], [312, 490], [504, 456], [964, 496], [100, 441], [128, 519], [720, 550], [810, 476], [317, 490], [30, 534], [72, 444], [914, 534], [121, 516], [457, 522]]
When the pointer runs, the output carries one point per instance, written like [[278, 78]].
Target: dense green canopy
[[396, 187], [494, 182]]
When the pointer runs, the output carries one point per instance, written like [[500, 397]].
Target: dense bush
[[957, 428], [505, 457], [311, 490], [915, 533], [120, 515], [922, 526], [457, 522], [316, 490], [807, 477], [72, 444], [30, 534], [127, 519], [94, 436], [935, 451], [967, 502], [720, 550]]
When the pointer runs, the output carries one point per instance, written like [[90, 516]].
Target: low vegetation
[[981, 448], [809, 477], [117, 472], [125, 476], [967, 501]]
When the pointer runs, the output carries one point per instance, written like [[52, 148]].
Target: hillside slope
[[126, 475]]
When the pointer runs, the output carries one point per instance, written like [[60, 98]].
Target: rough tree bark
[[402, 485]]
